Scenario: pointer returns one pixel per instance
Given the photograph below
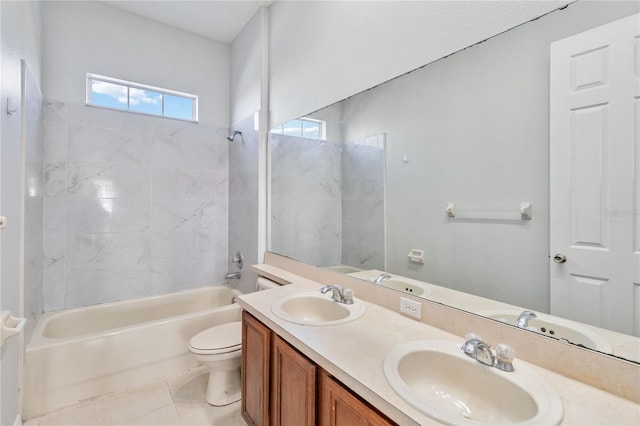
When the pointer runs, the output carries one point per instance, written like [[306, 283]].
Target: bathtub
[[90, 351]]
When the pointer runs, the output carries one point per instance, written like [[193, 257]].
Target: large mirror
[[437, 183]]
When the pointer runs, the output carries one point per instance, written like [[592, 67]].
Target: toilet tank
[[265, 284]]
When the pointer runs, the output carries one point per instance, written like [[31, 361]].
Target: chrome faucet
[[524, 318], [382, 276], [232, 275], [475, 348], [339, 294]]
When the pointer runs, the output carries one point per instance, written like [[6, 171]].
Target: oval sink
[[439, 380], [555, 327], [396, 282], [315, 308], [407, 287]]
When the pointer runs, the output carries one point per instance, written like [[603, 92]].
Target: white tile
[[55, 131], [109, 250], [184, 145], [90, 286], [204, 414], [55, 178], [93, 412], [53, 272], [164, 416], [107, 180], [183, 183], [97, 215], [55, 216], [176, 400], [141, 404], [189, 387]]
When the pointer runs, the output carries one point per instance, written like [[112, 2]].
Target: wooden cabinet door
[[339, 407], [293, 386], [256, 346]]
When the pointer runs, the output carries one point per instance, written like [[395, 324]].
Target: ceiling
[[219, 20]]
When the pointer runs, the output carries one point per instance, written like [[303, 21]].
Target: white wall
[[89, 36], [322, 52], [20, 39]]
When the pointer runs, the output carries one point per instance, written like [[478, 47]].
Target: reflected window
[[107, 92], [303, 128]]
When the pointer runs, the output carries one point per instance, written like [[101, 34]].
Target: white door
[[595, 176]]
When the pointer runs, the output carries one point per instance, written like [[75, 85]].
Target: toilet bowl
[[219, 348]]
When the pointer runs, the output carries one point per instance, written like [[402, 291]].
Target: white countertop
[[354, 353]]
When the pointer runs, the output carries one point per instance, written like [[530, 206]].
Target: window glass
[[145, 101], [109, 95], [292, 128], [311, 129], [178, 107], [302, 127], [108, 92]]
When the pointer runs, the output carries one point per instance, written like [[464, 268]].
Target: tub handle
[[10, 326], [234, 300]]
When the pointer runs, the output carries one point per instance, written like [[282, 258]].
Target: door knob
[[559, 258]]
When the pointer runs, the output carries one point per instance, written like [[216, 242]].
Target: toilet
[[220, 349]]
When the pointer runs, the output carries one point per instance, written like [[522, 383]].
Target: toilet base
[[223, 388]]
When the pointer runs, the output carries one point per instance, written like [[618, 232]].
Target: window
[[123, 95], [303, 127]]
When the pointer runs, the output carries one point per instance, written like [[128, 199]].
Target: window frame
[[91, 77], [322, 128]]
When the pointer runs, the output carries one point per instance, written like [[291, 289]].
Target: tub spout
[[232, 275]]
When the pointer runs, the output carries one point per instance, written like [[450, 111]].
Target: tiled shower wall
[[243, 202], [363, 244], [134, 205], [33, 197], [327, 201], [306, 199]]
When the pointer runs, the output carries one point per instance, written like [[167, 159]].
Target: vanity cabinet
[[256, 345], [278, 382], [281, 386], [340, 407]]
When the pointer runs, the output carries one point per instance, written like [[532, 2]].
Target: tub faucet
[[339, 294], [475, 348], [232, 275], [524, 318], [382, 276]]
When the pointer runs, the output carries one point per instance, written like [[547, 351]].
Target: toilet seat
[[221, 339]]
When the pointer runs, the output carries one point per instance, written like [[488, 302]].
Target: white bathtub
[[85, 352]]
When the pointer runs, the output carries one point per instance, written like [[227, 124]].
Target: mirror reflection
[[439, 184]]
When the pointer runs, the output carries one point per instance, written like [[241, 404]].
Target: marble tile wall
[[363, 236], [134, 206], [33, 199], [306, 199], [243, 202]]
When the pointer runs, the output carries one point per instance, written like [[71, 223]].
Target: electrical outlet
[[410, 307]]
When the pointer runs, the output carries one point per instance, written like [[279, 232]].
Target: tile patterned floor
[[175, 400]]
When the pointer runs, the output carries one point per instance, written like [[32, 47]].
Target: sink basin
[[315, 308], [555, 327], [438, 379], [396, 282], [406, 286]]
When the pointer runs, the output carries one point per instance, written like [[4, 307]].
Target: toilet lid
[[222, 336]]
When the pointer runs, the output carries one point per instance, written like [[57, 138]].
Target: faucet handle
[[470, 345], [505, 353], [504, 357], [472, 336]]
